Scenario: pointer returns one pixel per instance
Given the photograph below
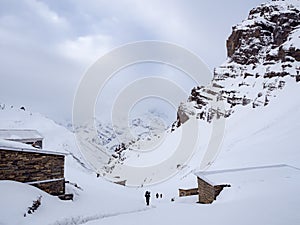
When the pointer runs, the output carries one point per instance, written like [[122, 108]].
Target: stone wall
[[219, 188], [206, 192], [53, 187], [188, 192], [31, 167]]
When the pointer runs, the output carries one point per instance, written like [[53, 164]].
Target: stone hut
[[26, 136], [207, 191], [40, 168]]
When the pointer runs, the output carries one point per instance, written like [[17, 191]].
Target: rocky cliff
[[263, 55]]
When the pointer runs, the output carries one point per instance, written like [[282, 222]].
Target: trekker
[[147, 196]]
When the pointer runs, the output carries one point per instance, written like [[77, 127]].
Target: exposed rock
[[263, 52], [267, 25]]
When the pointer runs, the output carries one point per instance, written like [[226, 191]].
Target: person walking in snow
[[147, 196]]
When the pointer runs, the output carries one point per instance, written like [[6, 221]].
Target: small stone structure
[[188, 192], [206, 191], [26, 136], [37, 167]]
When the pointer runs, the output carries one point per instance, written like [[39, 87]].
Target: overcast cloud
[[46, 46]]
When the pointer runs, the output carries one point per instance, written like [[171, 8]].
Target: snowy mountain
[[143, 127], [258, 86], [263, 55]]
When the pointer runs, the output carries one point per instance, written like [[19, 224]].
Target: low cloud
[[47, 45]]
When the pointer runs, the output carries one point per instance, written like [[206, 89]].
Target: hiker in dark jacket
[[147, 196]]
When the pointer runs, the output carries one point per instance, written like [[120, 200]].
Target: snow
[[268, 134], [259, 158], [255, 197], [17, 197], [264, 138], [291, 43], [17, 146], [55, 137], [19, 134], [44, 181]]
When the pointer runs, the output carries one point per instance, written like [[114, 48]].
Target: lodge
[[21, 162], [207, 191]]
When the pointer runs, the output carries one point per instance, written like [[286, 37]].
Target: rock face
[[263, 56], [267, 25]]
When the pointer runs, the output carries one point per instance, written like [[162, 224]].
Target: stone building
[[40, 168], [26, 136], [207, 191]]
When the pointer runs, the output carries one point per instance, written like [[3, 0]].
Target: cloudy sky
[[46, 46]]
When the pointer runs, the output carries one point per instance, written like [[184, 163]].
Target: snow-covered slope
[[94, 198], [266, 135]]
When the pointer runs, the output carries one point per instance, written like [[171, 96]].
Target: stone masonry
[[206, 192], [45, 171]]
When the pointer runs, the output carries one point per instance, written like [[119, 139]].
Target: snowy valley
[[259, 87]]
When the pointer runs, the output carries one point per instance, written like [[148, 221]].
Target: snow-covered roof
[[203, 177], [20, 134], [220, 176], [21, 147]]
